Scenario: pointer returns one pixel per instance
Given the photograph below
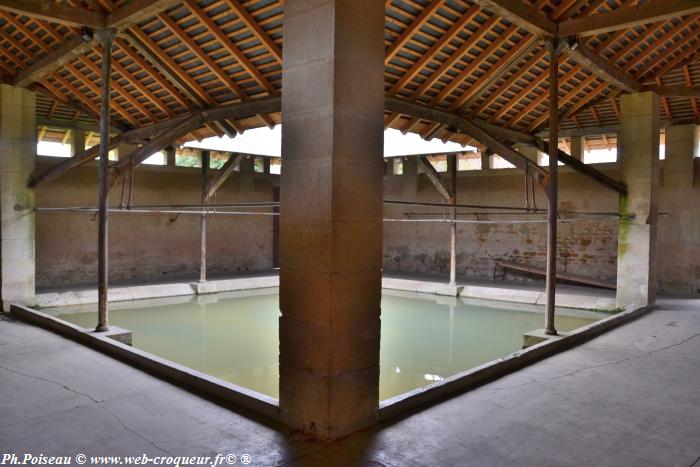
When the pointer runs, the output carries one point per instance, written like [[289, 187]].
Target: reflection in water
[[424, 339]]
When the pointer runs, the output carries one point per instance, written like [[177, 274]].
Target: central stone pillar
[[639, 155], [331, 214], [17, 159]]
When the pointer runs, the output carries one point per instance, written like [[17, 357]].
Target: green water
[[424, 338]]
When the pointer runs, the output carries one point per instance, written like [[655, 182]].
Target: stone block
[[204, 287], [118, 334], [329, 406], [538, 336]]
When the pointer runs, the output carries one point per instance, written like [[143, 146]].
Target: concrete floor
[[629, 397]]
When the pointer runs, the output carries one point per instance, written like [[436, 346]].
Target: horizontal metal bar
[[159, 211], [502, 221], [446, 205], [527, 213]]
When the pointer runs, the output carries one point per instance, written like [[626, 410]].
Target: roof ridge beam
[[628, 16]]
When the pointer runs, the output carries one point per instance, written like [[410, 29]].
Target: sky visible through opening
[[266, 142]]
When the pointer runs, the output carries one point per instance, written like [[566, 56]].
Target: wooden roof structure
[[483, 60]]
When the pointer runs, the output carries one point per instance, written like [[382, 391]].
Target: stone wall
[[154, 247], [584, 248], [149, 247]]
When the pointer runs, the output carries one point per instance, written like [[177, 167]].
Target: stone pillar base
[[539, 335]]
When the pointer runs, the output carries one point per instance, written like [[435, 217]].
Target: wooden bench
[[543, 272]]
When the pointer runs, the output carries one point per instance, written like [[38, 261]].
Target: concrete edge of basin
[[420, 398], [267, 407], [220, 390]]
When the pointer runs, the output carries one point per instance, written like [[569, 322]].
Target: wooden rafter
[[628, 16], [55, 12], [443, 39], [409, 31], [163, 134], [518, 13], [433, 175], [137, 11], [255, 27], [56, 59], [222, 175], [466, 126], [595, 63]]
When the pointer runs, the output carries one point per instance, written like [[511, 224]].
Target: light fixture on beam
[[86, 34], [572, 42]]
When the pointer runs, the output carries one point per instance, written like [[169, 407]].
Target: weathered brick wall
[[149, 247], [585, 248]]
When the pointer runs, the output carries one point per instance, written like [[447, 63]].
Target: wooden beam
[[136, 11], [71, 163], [501, 70], [467, 126], [156, 144], [184, 124], [222, 175], [51, 93], [674, 90], [422, 18], [43, 67], [55, 13], [586, 169], [514, 136], [433, 176], [244, 109], [255, 28], [628, 16], [595, 63], [165, 65], [520, 14], [439, 43], [66, 124]]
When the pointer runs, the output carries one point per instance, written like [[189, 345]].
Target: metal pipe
[[615, 215], [244, 213], [495, 222], [213, 205], [156, 211], [449, 205], [106, 37], [551, 277], [203, 219]]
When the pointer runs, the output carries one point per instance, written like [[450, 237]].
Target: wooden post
[[106, 37], [452, 166], [203, 219], [553, 44]]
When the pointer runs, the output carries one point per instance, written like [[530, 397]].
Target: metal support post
[[553, 186], [106, 37], [203, 219]]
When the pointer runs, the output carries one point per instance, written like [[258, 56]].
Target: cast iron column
[[552, 192], [106, 37], [203, 220], [452, 165]]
